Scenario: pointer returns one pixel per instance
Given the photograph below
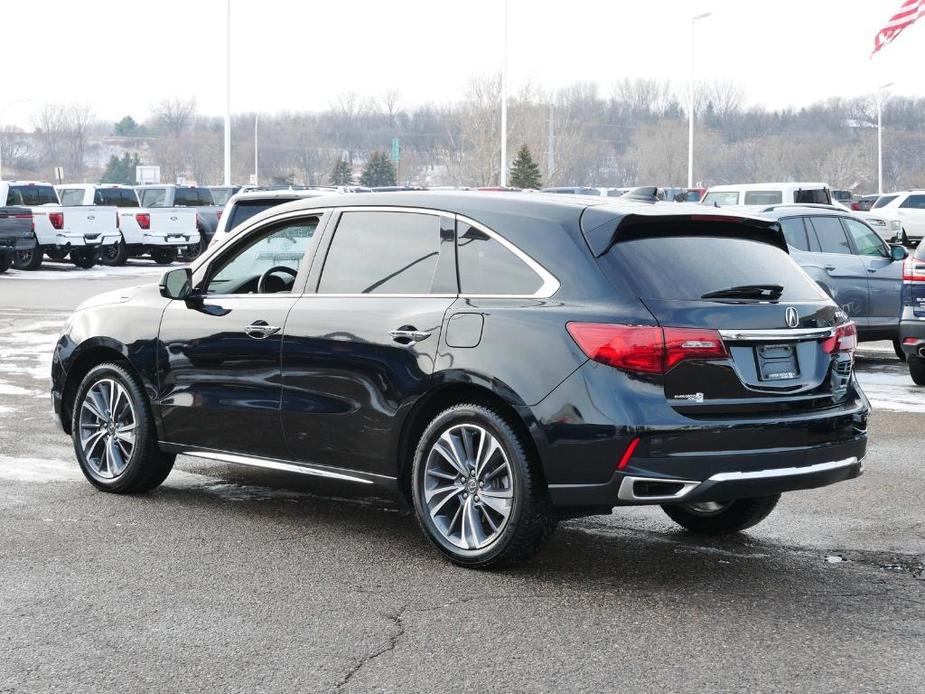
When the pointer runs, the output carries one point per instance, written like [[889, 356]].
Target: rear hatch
[[913, 294], [745, 329]]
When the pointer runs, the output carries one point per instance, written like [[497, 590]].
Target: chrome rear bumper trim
[[783, 334], [783, 471]]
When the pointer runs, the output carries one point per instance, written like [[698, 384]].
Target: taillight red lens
[[914, 269], [845, 339], [645, 349], [144, 220], [56, 219]]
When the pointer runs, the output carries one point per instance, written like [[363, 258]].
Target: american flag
[[909, 11]]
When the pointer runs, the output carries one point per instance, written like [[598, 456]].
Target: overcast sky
[[122, 56]]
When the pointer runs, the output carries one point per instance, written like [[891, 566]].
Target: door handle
[[260, 330], [408, 335], [828, 268], [871, 269]]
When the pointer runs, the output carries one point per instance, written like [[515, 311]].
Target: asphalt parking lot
[[243, 580]]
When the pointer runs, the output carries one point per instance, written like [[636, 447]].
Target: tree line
[[634, 133]]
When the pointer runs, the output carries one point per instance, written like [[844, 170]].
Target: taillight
[[845, 339], [144, 220], [914, 269], [56, 219], [645, 349]]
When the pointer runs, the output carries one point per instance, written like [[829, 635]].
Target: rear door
[[360, 350], [884, 276], [845, 276]]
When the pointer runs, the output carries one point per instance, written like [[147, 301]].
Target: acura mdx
[[503, 361]]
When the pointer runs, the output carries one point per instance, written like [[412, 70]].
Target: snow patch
[[892, 391], [38, 469]]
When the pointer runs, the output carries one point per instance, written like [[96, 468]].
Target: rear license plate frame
[[777, 362]]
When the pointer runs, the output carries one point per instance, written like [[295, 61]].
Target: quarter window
[[276, 255], [382, 253], [795, 233], [487, 267], [865, 241]]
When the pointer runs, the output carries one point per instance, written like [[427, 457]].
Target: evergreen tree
[[378, 171], [342, 175], [121, 170], [525, 173], [126, 127]]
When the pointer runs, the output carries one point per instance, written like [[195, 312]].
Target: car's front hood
[[117, 296]]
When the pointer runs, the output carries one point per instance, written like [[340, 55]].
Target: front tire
[[917, 370], [28, 260], [114, 254], [113, 433], [477, 489], [714, 518]]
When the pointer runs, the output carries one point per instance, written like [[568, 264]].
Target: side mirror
[[176, 284], [898, 253]]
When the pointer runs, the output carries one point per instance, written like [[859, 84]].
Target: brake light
[[845, 339], [914, 269], [56, 219], [645, 349], [143, 219]]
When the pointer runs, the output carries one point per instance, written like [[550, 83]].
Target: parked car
[[59, 232], [852, 264], [843, 197], [907, 208], [15, 234], [586, 190], [221, 194], [864, 203], [185, 197], [242, 206], [912, 325], [763, 194], [500, 359], [153, 231]]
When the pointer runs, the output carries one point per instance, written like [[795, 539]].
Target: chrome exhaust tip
[[654, 489]]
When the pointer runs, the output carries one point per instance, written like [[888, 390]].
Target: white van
[[763, 194]]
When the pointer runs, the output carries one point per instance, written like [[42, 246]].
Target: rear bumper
[[9, 244], [66, 240], [171, 240], [912, 329]]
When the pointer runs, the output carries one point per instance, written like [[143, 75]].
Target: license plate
[[777, 362]]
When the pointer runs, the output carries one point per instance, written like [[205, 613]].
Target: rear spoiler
[[604, 225]]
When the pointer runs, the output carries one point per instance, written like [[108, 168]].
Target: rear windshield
[[220, 195], [763, 197], [71, 197], [884, 200], [245, 209], [721, 198], [687, 267], [817, 196], [31, 196], [192, 197], [115, 197]]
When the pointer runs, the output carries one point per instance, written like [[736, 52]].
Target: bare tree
[[175, 114]]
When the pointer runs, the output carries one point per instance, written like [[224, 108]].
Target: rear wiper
[[770, 292]]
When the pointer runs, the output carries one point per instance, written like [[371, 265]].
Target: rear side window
[[486, 266], [382, 253], [916, 202], [795, 233], [830, 234], [883, 201], [154, 197], [721, 198], [816, 196], [32, 196], [71, 197], [687, 267], [763, 197]]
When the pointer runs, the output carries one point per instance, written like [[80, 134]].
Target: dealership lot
[[251, 580]]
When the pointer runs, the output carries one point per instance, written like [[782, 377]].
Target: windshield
[[685, 268], [721, 198]]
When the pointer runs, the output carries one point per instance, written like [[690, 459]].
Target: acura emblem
[[90, 217], [792, 316]]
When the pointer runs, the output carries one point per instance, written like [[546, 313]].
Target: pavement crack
[[397, 619]]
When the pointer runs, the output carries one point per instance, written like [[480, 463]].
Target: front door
[[884, 275], [845, 274], [219, 367], [359, 351]]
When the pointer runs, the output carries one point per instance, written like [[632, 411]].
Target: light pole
[[502, 179], [690, 106], [2, 114], [256, 156], [880, 135], [227, 92]]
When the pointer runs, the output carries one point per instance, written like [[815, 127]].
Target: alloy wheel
[[107, 428], [468, 486]]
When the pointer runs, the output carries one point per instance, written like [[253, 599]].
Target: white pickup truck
[[60, 232], [158, 232]]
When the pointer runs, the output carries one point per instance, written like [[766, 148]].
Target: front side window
[[154, 197], [763, 197], [382, 253], [795, 233], [830, 234], [865, 240], [487, 267], [721, 198], [271, 258], [71, 197]]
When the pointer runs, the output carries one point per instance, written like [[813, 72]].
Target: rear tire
[[498, 500], [6, 259], [190, 253], [114, 254], [113, 433], [898, 348], [84, 258], [917, 370], [729, 517], [28, 260], [163, 256]]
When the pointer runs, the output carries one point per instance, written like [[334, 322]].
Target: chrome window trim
[[777, 334]]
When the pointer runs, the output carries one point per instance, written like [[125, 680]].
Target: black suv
[[502, 360]]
